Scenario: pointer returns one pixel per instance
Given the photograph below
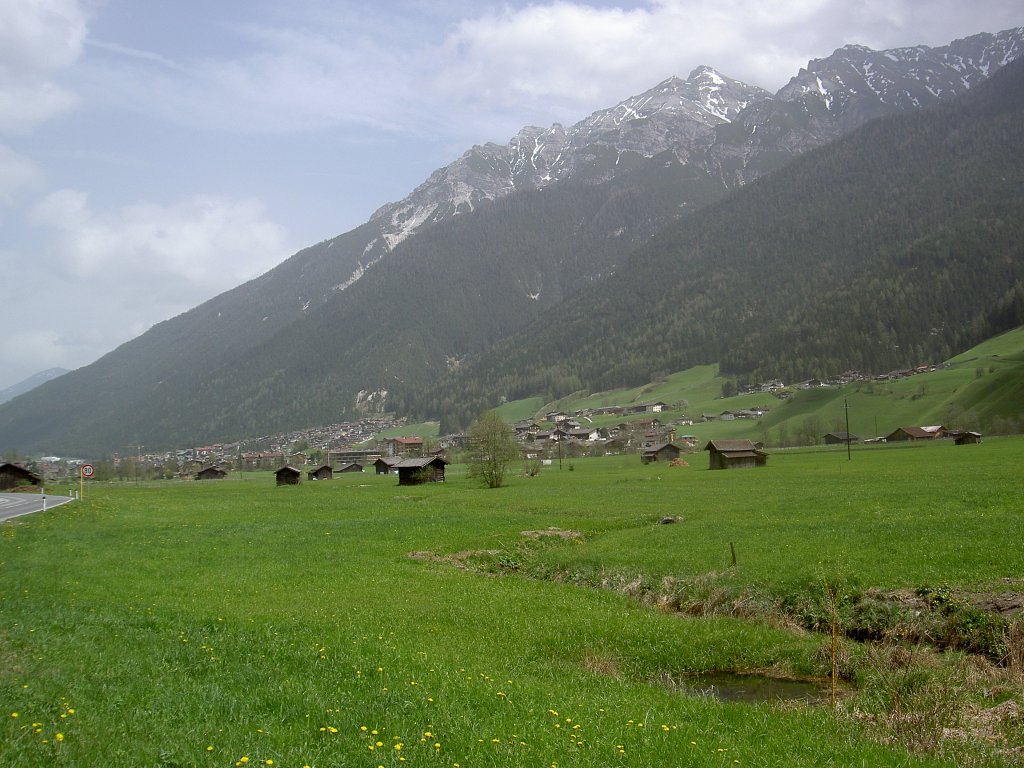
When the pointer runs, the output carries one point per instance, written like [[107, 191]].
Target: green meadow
[[354, 622]]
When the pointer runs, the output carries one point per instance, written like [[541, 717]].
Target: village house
[[734, 454], [656, 407], [456, 442], [583, 434], [903, 434], [348, 456], [614, 446], [404, 446]]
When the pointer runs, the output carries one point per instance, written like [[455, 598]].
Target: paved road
[[17, 504]]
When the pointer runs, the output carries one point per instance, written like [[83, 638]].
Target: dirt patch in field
[[1005, 603], [552, 533], [458, 559], [998, 602]]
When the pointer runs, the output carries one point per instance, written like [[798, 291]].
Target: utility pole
[[846, 405], [138, 460]]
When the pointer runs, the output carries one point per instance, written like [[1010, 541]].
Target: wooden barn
[[734, 454], [385, 464], [660, 452], [903, 434], [211, 473], [14, 475], [288, 475], [841, 438], [415, 471], [968, 438], [350, 467], [321, 473]]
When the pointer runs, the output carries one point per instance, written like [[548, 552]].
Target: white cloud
[[17, 172], [350, 67], [184, 252], [107, 277], [38, 39]]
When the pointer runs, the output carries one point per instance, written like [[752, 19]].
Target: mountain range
[[545, 262], [30, 383]]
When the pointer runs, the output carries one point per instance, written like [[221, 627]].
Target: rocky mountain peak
[[687, 117]]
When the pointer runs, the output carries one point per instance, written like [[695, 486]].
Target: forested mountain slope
[[896, 245], [456, 288]]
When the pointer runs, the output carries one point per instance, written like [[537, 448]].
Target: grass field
[[358, 623]]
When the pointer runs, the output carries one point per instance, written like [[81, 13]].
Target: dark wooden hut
[[841, 438], [384, 465], [415, 471], [321, 473], [288, 475], [660, 452], [968, 438], [350, 467], [14, 475], [211, 473], [734, 454]]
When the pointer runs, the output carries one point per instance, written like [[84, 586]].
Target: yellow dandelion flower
[[362, 728], [59, 737], [209, 748]]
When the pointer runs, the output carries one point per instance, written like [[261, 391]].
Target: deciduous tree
[[492, 449]]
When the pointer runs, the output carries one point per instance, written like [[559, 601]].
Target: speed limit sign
[[88, 470]]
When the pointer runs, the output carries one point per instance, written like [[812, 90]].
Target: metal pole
[[846, 404]]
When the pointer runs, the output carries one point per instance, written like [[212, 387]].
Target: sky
[[155, 154]]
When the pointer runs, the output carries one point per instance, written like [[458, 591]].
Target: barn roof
[[419, 462], [731, 446]]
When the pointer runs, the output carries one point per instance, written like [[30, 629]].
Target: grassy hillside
[[980, 389]]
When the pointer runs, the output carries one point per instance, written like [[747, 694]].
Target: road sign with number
[[88, 470]]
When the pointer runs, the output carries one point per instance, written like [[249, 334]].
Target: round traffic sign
[[88, 470]]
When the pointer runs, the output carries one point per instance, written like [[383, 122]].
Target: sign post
[[87, 470]]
